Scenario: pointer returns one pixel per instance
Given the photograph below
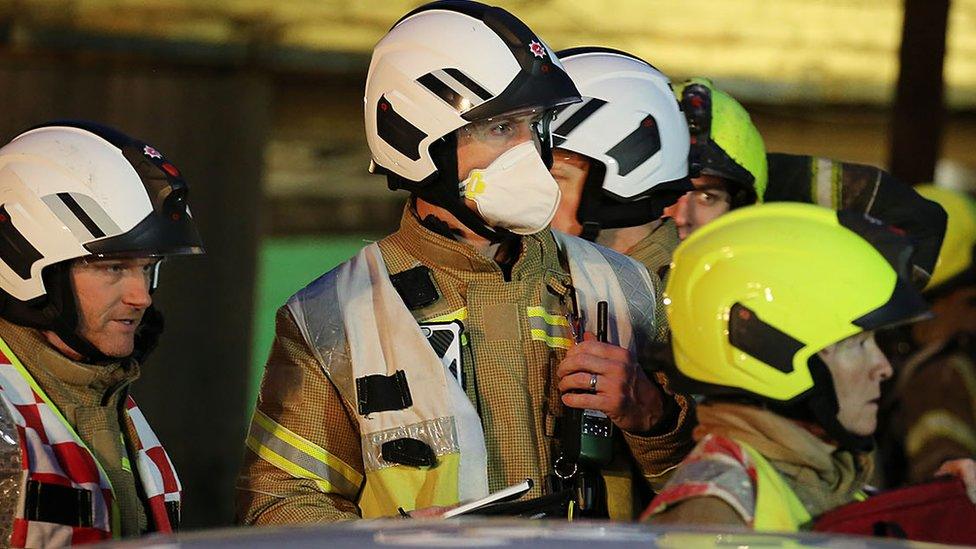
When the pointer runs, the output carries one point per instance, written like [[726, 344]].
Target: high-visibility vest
[[439, 414], [65, 497], [778, 509]]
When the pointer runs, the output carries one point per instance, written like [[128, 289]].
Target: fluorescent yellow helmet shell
[[801, 279], [956, 253], [730, 128]]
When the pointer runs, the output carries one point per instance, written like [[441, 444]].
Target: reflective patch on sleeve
[[937, 424], [300, 458], [551, 329]]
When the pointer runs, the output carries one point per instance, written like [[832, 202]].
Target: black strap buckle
[[58, 504], [379, 393], [409, 451]]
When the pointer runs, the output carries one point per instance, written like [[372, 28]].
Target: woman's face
[[858, 367]]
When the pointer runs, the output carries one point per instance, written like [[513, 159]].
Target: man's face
[[857, 367], [696, 208], [569, 169], [480, 143], [112, 296]]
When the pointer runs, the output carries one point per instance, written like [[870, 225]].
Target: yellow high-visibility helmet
[[724, 141], [956, 253], [755, 294]]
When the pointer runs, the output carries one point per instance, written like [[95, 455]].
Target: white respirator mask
[[515, 192]]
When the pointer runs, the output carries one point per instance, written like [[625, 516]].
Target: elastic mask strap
[[589, 212], [443, 191]]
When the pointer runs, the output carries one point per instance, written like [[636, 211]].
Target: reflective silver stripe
[[469, 96], [553, 330], [638, 290], [302, 460], [69, 219], [316, 310], [440, 434], [824, 174], [97, 214]]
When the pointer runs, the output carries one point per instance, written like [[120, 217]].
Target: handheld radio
[[586, 436]]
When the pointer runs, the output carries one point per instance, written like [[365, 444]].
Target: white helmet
[[440, 67], [631, 126], [72, 189]]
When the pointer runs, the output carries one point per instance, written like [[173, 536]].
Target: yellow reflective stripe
[[126, 465], [460, 314], [548, 328], [297, 456], [965, 370], [287, 466], [552, 320], [937, 424], [552, 341]]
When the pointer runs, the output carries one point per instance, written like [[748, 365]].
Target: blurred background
[[259, 103]]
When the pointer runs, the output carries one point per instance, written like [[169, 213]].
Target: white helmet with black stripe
[[74, 189], [442, 66], [631, 128]]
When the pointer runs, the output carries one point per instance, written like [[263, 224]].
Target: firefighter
[[621, 155], [86, 215], [933, 403], [359, 414], [781, 345]]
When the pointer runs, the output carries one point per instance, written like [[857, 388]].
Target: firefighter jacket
[[357, 417]]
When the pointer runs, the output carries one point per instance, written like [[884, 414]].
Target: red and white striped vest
[[65, 496]]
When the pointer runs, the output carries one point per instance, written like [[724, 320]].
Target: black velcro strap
[[409, 451], [379, 393], [760, 340], [58, 504], [173, 512], [416, 287]]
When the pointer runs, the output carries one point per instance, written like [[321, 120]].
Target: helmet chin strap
[[441, 189], [62, 310], [824, 407], [820, 406]]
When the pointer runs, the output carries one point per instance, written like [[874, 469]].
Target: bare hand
[[429, 512], [964, 469], [623, 391]]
